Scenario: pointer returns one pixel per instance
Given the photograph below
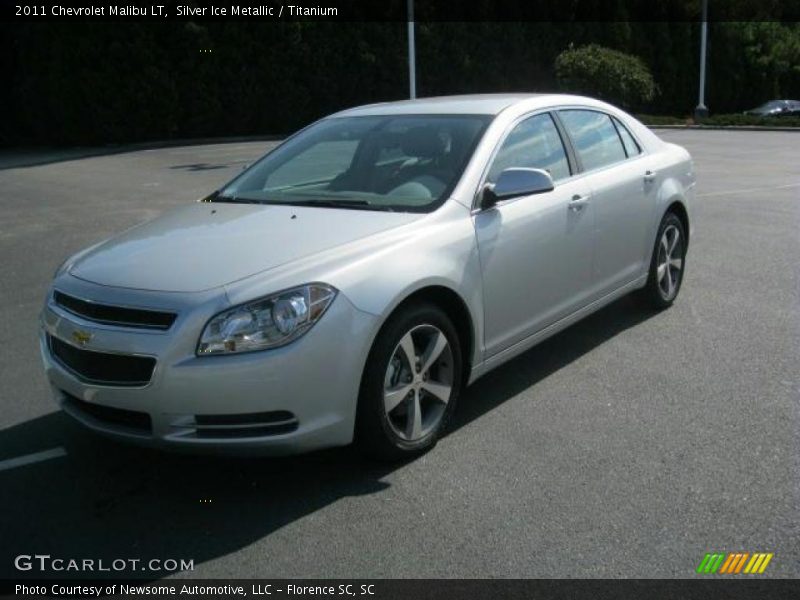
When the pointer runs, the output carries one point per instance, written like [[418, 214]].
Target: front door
[[535, 251]]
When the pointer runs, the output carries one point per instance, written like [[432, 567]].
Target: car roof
[[475, 104], [510, 105]]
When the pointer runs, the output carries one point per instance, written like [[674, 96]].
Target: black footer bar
[[409, 589]]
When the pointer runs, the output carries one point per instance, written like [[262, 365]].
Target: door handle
[[578, 202], [650, 176]]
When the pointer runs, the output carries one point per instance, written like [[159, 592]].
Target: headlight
[[267, 322]]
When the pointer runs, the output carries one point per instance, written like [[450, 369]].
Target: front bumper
[[296, 398]]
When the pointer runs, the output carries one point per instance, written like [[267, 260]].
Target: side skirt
[[541, 335]]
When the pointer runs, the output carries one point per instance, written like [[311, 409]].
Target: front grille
[[136, 422], [115, 315], [245, 425], [101, 367]]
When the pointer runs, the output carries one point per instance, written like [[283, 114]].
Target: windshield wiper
[[325, 203], [340, 203], [234, 200]]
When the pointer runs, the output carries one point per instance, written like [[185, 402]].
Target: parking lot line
[[749, 191], [21, 461]]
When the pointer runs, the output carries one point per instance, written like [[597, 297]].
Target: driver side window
[[534, 144]]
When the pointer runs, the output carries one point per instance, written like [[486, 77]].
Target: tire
[[393, 390], [667, 265]]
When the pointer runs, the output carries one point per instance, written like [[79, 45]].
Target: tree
[[605, 73]]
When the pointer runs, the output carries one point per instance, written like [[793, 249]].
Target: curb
[[18, 158], [196, 142], [724, 127], [36, 159]]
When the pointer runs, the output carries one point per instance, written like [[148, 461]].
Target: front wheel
[[668, 263], [411, 383]]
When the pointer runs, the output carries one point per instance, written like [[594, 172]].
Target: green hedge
[[607, 74], [656, 120], [729, 120], [82, 83], [751, 120]]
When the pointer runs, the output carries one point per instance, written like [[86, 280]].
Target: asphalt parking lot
[[627, 446]]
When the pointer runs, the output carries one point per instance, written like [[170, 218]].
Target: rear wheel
[[668, 263], [411, 383]]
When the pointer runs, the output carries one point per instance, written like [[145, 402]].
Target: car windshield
[[390, 162]]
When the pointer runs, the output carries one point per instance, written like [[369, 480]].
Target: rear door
[[622, 187]]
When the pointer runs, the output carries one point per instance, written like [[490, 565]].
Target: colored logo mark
[[734, 563]]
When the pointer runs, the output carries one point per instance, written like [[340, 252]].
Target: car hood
[[206, 245]]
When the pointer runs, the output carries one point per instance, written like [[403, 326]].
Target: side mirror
[[515, 182]]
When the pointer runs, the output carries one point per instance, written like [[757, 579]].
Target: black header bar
[[396, 10]]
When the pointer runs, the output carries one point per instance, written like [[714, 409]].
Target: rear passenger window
[[594, 136], [534, 144], [631, 147]]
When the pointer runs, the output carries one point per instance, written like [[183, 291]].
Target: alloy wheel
[[418, 383], [670, 262]]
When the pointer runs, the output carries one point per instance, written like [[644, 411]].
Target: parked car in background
[[776, 108], [349, 284]]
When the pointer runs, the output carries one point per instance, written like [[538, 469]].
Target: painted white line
[[763, 189], [28, 459]]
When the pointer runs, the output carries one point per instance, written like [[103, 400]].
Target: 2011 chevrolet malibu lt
[[349, 285]]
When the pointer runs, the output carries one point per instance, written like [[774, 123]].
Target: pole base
[[700, 112]]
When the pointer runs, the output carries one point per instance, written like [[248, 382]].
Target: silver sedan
[[349, 285]]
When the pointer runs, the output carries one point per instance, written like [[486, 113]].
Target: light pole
[[701, 110], [412, 59]]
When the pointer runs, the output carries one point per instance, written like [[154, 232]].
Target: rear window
[[594, 136], [631, 147]]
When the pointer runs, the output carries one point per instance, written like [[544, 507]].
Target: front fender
[[444, 255]]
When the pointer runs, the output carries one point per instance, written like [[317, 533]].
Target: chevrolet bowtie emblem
[[81, 337]]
